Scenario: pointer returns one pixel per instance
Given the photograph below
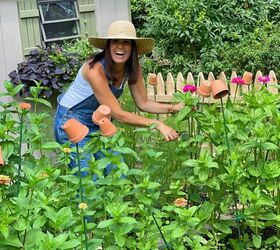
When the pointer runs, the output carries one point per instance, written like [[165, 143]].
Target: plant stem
[[19, 154], [234, 94]]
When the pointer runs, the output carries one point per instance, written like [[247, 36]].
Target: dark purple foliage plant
[[53, 67]]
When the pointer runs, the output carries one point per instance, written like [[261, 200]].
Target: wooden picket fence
[[163, 91]]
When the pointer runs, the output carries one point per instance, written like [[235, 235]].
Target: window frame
[[43, 22]]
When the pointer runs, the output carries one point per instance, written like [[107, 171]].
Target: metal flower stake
[[219, 90], [77, 132]]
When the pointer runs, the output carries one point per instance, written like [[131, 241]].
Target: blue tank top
[[86, 107]]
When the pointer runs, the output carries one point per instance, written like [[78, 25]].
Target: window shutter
[[87, 17], [29, 25]]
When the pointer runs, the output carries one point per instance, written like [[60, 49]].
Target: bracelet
[[170, 109]]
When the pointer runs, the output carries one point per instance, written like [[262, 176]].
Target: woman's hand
[[168, 133]]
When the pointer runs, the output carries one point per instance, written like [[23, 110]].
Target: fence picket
[[163, 91], [180, 82]]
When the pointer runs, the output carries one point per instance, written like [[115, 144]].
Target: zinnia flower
[[264, 79], [189, 88], [83, 206], [180, 202], [238, 80], [25, 106], [4, 179]]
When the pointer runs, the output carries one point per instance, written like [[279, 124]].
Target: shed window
[[59, 19]]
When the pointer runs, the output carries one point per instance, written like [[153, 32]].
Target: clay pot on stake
[[101, 112], [204, 90], [152, 79], [77, 132], [220, 90], [107, 128]]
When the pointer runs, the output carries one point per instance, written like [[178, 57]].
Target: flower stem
[[19, 154], [235, 92]]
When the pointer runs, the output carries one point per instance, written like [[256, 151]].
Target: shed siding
[[108, 11], [10, 43]]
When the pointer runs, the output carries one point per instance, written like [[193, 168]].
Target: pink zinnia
[[189, 88], [264, 79], [238, 80]]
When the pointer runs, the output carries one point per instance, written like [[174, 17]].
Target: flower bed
[[223, 191]]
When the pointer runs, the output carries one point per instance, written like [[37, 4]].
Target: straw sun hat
[[123, 30]]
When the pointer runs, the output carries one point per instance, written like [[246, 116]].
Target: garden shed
[[25, 24]]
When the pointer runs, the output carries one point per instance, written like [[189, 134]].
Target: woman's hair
[[131, 65]]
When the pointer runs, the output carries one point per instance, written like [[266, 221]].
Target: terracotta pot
[[204, 89], [248, 77], [218, 89], [107, 128], [152, 79], [75, 130], [1, 157], [101, 112]]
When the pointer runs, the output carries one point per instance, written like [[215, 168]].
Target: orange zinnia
[[4, 179], [180, 202], [25, 106]]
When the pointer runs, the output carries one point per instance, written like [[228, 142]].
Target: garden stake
[[233, 186], [81, 194], [161, 234], [19, 153]]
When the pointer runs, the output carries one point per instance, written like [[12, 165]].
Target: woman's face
[[120, 50]]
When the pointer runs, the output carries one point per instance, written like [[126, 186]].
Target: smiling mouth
[[120, 53]]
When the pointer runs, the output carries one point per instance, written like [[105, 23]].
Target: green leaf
[[21, 224], [17, 89], [223, 228], [105, 223], [205, 210], [70, 178], [269, 145], [71, 244], [128, 220], [12, 240], [39, 221], [178, 232], [120, 240], [52, 145], [257, 241]]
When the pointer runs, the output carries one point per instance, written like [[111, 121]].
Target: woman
[[101, 81]]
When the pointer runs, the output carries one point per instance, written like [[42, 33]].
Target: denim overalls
[[83, 113]]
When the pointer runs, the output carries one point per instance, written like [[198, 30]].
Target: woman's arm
[[104, 95], [140, 97]]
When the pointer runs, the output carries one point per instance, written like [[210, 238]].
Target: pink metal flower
[[189, 88], [264, 79], [238, 80]]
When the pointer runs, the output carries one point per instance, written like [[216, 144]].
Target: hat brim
[[144, 45]]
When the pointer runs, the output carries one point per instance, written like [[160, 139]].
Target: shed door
[[87, 17], [29, 25]]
